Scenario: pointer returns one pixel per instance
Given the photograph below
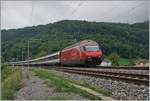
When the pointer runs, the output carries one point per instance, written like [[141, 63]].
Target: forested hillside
[[128, 40]]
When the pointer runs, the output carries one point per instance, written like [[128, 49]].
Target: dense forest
[[127, 40]]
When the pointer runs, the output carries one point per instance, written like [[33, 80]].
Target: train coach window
[[53, 57], [82, 48], [92, 48]]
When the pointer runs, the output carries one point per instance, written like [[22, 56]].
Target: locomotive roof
[[81, 43]]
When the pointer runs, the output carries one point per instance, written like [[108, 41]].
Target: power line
[[70, 11], [129, 11], [75, 10]]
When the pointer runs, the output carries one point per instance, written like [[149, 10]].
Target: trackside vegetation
[[119, 61], [10, 82], [100, 90], [129, 41], [61, 84], [86, 84]]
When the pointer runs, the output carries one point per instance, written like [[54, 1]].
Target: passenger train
[[86, 52]]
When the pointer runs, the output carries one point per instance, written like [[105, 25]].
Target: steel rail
[[124, 67], [133, 78], [110, 72]]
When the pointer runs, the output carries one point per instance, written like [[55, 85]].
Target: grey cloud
[[17, 14]]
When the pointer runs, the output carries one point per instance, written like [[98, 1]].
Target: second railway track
[[142, 79]]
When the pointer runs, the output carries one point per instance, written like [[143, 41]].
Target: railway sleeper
[[131, 79]]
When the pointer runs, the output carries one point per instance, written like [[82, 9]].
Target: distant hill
[[129, 41]]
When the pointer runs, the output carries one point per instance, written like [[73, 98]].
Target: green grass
[[6, 71], [88, 85], [61, 84], [99, 90], [11, 84], [124, 62]]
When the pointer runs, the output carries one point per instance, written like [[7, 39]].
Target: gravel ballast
[[144, 72], [36, 88], [120, 90]]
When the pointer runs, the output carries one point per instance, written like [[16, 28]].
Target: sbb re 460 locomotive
[[86, 52]]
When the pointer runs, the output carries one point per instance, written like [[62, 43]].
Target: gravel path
[[120, 90], [35, 88]]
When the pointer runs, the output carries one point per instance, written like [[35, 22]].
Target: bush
[[6, 71], [10, 85], [114, 58]]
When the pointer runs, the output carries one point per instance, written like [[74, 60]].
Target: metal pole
[[29, 53], [22, 58], [28, 59]]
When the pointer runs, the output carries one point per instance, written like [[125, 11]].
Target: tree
[[128, 40], [114, 58]]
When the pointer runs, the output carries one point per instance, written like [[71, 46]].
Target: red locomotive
[[86, 52]]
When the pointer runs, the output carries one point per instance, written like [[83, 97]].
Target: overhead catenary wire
[[76, 9], [129, 11], [131, 15], [72, 13]]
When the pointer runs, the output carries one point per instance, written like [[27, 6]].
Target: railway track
[[140, 79], [124, 67]]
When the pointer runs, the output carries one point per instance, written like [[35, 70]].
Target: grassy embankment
[[10, 82], [62, 84], [125, 62]]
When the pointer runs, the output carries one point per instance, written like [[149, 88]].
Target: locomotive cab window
[[82, 48], [92, 48]]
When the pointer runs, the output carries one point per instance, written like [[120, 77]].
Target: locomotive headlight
[[89, 57]]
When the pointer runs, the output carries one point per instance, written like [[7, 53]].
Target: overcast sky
[[18, 14]]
